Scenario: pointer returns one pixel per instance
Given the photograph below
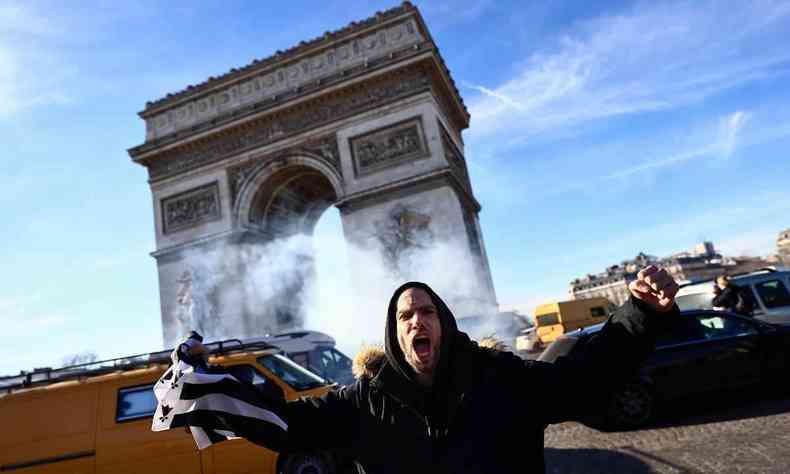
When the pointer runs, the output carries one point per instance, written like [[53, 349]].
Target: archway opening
[[291, 201], [281, 262]]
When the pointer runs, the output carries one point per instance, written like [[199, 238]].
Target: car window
[[247, 373], [773, 293], [597, 312], [716, 326], [548, 319], [695, 301], [341, 359], [684, 329], [291, 373], [300, 358], [135, 403]]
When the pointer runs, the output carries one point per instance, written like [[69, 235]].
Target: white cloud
[[720, 144], [655, 57], [30, 75], [731, 127]]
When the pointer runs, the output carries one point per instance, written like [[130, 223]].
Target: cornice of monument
[[273, 126], [285, 75]]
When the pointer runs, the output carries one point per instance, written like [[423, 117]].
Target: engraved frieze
[[285, 78], [388, 147], [191, 208], [267, 131]]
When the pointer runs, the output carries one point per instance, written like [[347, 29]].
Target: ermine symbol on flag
[[165, 411]]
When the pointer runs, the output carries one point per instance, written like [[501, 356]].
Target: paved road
[[745, 432]]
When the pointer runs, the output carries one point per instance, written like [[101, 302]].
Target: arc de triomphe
[[366, 118]]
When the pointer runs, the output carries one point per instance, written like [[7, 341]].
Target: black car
[[707, 351]]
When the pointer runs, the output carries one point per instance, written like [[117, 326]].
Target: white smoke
[[241, 290]]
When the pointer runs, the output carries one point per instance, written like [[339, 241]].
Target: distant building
[[702, 264], [612, 283], [735, 265], [783, 246]]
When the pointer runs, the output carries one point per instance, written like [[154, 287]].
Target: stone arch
[[366, 119], [287, 195]]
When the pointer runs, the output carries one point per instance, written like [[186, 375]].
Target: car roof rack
[[47, 375]]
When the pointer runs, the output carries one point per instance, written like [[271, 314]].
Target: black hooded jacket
[[483, 402]]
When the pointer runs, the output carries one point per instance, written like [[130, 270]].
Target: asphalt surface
[[740, 432]]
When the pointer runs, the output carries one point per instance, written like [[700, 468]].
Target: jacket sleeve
[[573, 388], [329, 422]]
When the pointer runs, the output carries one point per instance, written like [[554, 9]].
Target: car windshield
[[331, 364], [291, 373], [695, 301]]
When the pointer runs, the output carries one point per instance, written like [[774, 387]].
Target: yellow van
[[554, 319], [96, 418]]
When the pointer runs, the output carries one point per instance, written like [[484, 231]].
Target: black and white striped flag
[[215, 406]]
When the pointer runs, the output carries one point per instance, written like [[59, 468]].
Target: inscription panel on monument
[[287, 77], [191, 208], [389, 146]]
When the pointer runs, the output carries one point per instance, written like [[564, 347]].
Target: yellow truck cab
[[96, 418], [554, 319]]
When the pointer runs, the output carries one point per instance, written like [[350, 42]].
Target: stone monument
[[366, 118]]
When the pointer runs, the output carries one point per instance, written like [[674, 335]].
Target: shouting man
[[439, 403]]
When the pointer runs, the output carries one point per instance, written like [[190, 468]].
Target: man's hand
[[655, 287], [193, 347]]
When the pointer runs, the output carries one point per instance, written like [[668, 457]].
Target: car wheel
[[632, 406], [306, 463]]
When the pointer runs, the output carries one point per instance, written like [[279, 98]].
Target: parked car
[[528, 341], [96, 418], [769, 289], [707, 351], [314, 351]]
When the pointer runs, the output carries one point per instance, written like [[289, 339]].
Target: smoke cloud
[[322, 283]]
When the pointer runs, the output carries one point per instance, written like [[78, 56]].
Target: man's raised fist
[[655, 287]]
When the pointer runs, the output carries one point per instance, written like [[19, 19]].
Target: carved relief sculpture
[[388, 146], [403, 232], [191, 208]]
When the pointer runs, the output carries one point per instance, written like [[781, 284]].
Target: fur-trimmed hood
[[369, 359]]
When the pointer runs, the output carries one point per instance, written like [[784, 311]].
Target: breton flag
[[215, 406]]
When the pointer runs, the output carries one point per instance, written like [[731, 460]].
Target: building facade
[[783, 246], [702, 263], [612, 283]]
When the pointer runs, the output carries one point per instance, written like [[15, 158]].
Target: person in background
[[731, 297]]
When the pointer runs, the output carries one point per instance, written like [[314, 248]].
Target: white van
[[770, 288], [314, 351]]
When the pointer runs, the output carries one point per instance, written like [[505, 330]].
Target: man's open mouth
[[422, 346]]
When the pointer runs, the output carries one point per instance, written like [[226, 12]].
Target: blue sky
[[597, 131]]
